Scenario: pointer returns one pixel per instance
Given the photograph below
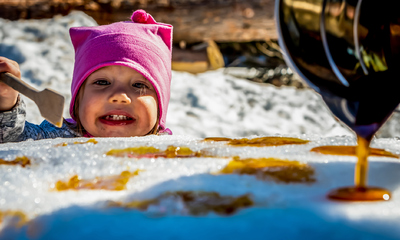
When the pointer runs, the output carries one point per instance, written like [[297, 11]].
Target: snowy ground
[[280, 211], [204, 105]]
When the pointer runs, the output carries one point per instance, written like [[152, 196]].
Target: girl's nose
[[120, 98]]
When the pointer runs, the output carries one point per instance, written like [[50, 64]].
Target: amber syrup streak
[[360, 192]]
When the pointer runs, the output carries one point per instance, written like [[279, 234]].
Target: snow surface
[[203, 105], [281, 211]]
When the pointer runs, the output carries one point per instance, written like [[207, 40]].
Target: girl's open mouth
[[116, 120]]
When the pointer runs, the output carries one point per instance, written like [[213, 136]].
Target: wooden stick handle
[[18, 85]]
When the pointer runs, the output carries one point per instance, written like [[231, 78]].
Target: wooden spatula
[[49, 102]]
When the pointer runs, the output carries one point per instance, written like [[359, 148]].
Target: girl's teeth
[[116, 117]]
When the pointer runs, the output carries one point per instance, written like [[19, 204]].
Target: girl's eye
[[140, 85], [102, 82]]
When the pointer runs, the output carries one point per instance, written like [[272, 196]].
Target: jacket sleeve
[[14, 128], [12, 122]]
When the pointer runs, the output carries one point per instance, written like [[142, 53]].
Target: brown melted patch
[[271, 169], [195, 202], [259, 142], [360, 191], [23, 161], [16, 218], [360, 194], [92, 140], [351, 151], [151, 152], [217, 139], [114, 183]]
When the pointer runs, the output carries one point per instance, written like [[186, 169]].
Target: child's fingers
[[8, 96], [5, 90], [8, 65]]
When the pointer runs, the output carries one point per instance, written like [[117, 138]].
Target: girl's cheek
[[83, 115], [151, 104]]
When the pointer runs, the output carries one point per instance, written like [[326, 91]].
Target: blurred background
[[208, 34], [237, 37]]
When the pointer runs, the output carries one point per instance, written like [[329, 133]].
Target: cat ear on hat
[[166, 35], [79, 35]]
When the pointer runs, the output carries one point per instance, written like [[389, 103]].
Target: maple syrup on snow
[[19, 217], [275, 169], [360, 192], [64, 144], [113, 183], [194, 202], [258, 142], [23, 161], [152, 152], [351, 150]]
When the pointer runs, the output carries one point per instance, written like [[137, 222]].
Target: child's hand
[[8, 96]]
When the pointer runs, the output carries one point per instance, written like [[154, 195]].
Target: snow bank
[[280, 211], [214, 104]]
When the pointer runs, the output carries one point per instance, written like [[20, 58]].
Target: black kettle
[[349, 52]]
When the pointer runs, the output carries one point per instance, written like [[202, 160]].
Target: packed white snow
[[281, 211], [211, 104]]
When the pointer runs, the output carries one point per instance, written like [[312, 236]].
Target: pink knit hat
[[141, 44]]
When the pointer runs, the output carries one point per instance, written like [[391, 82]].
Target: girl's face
[[117, 101]]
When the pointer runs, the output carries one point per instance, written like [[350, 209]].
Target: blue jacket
[[14, 128]]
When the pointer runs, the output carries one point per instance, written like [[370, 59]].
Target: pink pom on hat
[[140, 16], [141, 44]]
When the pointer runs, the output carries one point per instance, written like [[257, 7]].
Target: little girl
[[120, 86]]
